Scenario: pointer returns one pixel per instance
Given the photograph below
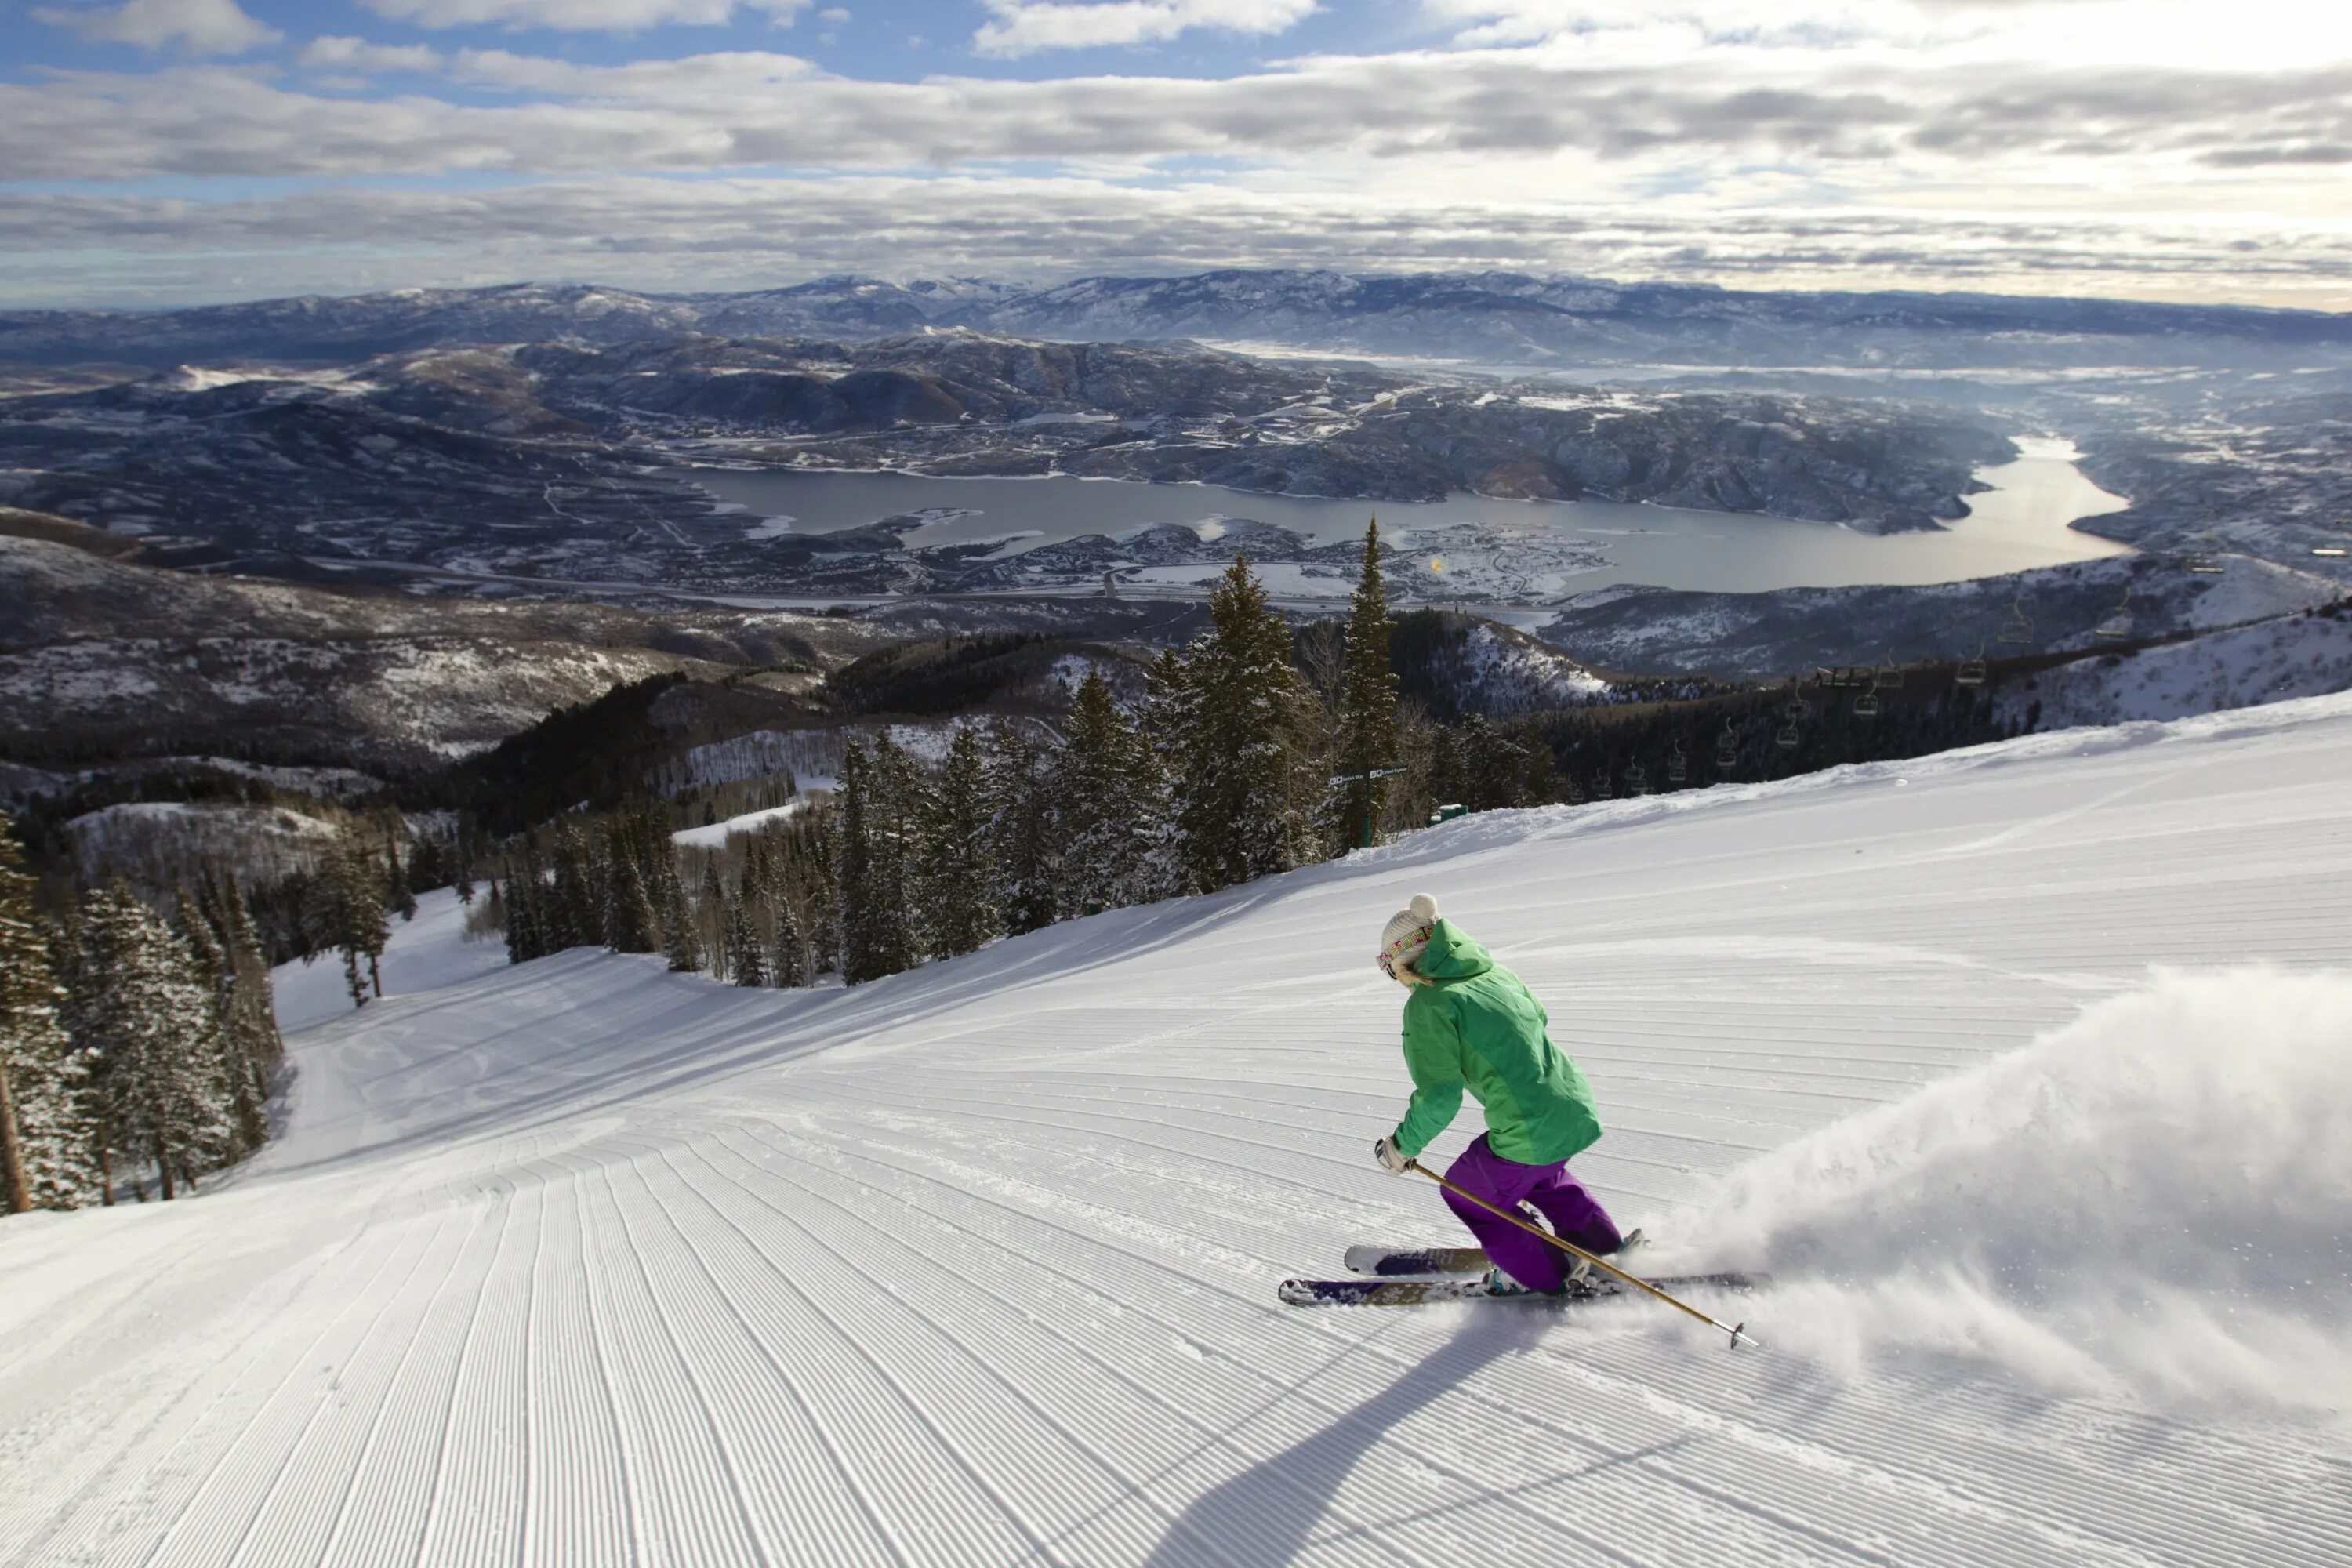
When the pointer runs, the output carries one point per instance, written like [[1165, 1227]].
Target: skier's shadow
[[1266, 1514]]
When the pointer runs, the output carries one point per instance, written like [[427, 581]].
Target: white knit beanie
[[1407, 932]]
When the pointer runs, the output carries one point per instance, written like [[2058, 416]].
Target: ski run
[[2025, 1071]]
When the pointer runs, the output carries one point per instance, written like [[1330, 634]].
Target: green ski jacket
[[1478, 1026]]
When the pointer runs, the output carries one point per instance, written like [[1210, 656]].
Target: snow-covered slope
[[581, 1262], [2289, 655]]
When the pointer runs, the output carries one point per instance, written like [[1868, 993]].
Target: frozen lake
[[2019, 524]]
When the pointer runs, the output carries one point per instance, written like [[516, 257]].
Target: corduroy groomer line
[[1739, 1331]]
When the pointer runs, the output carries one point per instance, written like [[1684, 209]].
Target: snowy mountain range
[[1500, 317]]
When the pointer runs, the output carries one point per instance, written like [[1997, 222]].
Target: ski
[[1393, 1293], [1391, 1261]]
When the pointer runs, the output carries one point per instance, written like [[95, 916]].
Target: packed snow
[[2023, 1068], [715, 835]]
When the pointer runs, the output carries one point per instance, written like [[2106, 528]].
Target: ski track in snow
[[584, 1263]]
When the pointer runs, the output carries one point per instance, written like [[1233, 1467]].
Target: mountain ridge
[[1571, 318]]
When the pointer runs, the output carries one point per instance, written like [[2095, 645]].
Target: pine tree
[[876, 940], [351, 892], [43, 1146], [631, 922], [681, 936], [1108, 805], [522, 900], [1020, 831], [745, 962], [1366, 742], [209, 965], [399, 898], [1239, 741], [956, 882], [711, 919], [1491, 764], [137, 1008], [462, 867], [573, 913], [793, 948], [258, 1048], [816, 866]]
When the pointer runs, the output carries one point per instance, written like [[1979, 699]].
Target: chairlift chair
[[2019, 630], [1788, 739], [1677, 764], [2205, 561], [1726, 749], [1637, 779], [1866, 705], [1887, 677], [1972, 671], [2119, 625]]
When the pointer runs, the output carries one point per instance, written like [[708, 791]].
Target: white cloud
[[1029, 27], [2112, 136], [579, 16], [752, 233], [358, 55], [2242, 34], [1817, 148], [199, 27]]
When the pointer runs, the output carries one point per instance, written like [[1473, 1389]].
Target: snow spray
[[2153, 1200]]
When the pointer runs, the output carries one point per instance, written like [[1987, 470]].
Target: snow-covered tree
[[747, 960], [876, 938], [711, 911], [148, 1028], [1237, 733], [1019, 791], [632, 924], [351, 892], [209, 965], [956, 882], [258, 1048], [1365, 743], [1109, 806], [526, 899], [681, 934], [399, 897], [793, 959], [574, 910], [44, 1149]]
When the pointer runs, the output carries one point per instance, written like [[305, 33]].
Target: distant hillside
[[1497, 316], [99, 658]]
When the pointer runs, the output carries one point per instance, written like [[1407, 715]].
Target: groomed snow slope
[[583, 1263]]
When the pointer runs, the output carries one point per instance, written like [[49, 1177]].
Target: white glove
[[1393, 1160]]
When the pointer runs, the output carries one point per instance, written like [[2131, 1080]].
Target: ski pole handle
[[1739, 1331]]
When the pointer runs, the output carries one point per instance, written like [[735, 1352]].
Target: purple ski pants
[[1560, 1197]]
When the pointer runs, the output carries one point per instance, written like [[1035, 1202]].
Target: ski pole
[[1736, 1331]]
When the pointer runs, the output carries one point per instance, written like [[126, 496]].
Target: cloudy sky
[[166, 152]]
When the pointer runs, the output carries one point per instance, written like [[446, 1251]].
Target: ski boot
[[1576, 1280]]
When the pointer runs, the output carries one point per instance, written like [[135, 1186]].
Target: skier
[[1471, 1023]]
